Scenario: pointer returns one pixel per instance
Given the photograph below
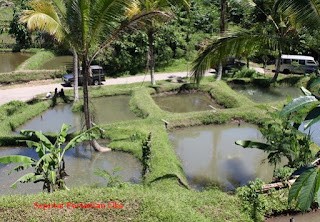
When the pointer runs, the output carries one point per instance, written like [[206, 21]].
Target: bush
[[252, 201], [246, 73], [283, 173]]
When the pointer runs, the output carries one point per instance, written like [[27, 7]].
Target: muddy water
[[267, 95], [106, 110], [308, 217], [112, 109], [81, 163], [52, 119], [314, 131], [9, 61], [59, 62], [209, 155], [181, 103]]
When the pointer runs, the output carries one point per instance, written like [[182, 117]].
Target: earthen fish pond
[[59, 62], [266, 95], [106, 110], [185, 102], [9, 61], [81, 163], [209, 155]]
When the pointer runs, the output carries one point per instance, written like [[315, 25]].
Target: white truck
[[298, 64]]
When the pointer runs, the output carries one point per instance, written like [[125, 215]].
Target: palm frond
[[105, 17], [220, 50], [306, 12], [43, 17]]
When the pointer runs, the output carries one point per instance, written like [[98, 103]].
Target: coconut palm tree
[[281, 32], [91, 26], [39, 19], [223, 7], [145, 6]]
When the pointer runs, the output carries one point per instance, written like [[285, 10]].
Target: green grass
[[23, 77], [178, 65], [36, 61], [161, 202], [19, 113], [6, 13], [6, 39], [163, 196]]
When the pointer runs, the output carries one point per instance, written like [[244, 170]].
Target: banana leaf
[[297, 104], [16, 159]]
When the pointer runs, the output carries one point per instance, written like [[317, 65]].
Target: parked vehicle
[[298, 64], [97, 76]]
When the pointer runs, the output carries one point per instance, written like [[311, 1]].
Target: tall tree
[[41, 17], [91, 26], [163, 6], [277, 32], [223, 9], [18, 30]]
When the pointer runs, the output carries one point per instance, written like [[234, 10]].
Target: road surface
[[26, 93]]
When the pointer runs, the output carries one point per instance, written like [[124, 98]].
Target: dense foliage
[[20, 31], [176, 39]]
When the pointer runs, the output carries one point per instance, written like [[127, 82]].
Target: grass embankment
[[161, 202], [14, 114], [24, 77], [36, 61], [163, 195]]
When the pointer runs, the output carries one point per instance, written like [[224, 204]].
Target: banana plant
[[306, 188], [283, 140], [50, 167]]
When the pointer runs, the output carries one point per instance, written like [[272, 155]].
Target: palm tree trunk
[[277, 68], [75, 75], [223, 8], [151, 55], [220, 68], [86, 73], [222, 30]]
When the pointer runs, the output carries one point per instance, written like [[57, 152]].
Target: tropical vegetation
[[50, 167], [127, 37]]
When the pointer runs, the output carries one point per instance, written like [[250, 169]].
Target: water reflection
[[106, 110], [81, 163], [181, 103], [209, 155], [9, 61], [59, 62], [112, 109], [52, 119], [266, 95]]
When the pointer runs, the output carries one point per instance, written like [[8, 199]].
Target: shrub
[[246, 73]]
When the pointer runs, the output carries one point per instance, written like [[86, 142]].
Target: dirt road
[[25, 92]]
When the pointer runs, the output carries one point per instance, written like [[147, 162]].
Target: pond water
[[314, 131], [181, 103], [209, 155], [106, 110], [81, 163], [59, 62], [266, 95], [112, 109], [9, 61], [308, 217]]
